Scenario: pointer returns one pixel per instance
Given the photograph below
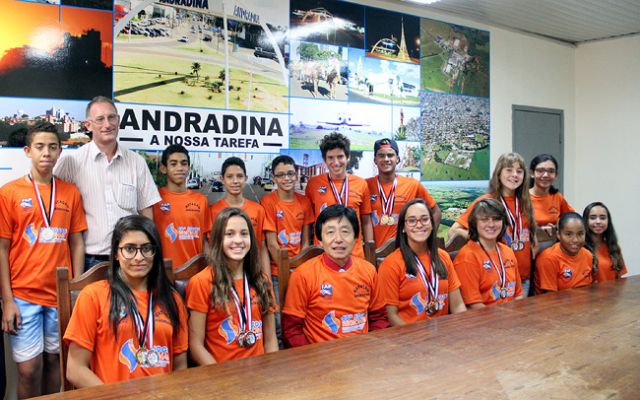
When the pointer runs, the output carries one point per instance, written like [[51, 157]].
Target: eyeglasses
[[100, 120], [290, 174], [130, 252], [413, 221], [542, 171]]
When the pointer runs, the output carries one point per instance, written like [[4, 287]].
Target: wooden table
[[576, 344]]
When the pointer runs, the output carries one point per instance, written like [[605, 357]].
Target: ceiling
[[570, 21]]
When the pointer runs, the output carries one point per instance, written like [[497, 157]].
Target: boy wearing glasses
[[114, 181], [390, 192], [182, 216], [41, 225], [288, 215]]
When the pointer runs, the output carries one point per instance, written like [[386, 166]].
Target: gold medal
[[432, 307], [384, 220], [391, 220]]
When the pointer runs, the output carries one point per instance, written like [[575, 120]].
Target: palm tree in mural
[[195, 69]]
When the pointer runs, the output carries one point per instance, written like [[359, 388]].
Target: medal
[[343, 196], [515, 223], [146, 356], [387, 201], [502, 275], [433, 306], [47, 234], [246, 337], [520, 245], [514, 245]]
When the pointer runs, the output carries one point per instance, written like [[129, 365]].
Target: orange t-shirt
[[556, 270], [33, 259], [480, 280], [223, 325], [114, 359], [253, 210], [333, 304], [319, 192], [548, 208], [408, 292], [406, 189], [286, 219], [605, 265], [523, 256], [183, 222]]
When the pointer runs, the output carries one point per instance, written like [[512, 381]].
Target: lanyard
[[145, 330], [387, 200], [344, 192], [243, 308], [501, 273], [514, 221], [52, 201], [432, 284]]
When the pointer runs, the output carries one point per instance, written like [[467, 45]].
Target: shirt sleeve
[[148, 194], [389, 281], [64, 168], [376, 299], [6, 217], [83, 326], [297, 298], [198, 296], [547, 271], [464, 218], [181, 342], [269, 214], [309, 218], [423, 193], [206, 217], [468, 270], [452, 277], [365, 207], [564, 206], [78, 218]]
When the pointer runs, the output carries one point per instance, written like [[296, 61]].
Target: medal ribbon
[[344, 192], [244, 316], [431, 284], [145, 329], [514, 221], [387, 200], [501, 273], [52, 201]]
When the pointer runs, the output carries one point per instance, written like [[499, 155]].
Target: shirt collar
[[334, 266], [94, 151]]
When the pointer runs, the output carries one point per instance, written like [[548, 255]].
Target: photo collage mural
[[254, 79]]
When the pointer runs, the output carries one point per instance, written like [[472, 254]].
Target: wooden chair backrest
[[455, 243], [182, 274], [286, 265], [387, 248], [67, 293]]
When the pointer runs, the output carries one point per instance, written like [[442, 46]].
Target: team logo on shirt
[[282, 236], [166, 207], [62, 205], [326, 290], [361, 291], [171, 232], [30, 234], [353, 322], [486, 264], [374, 198], [27, 202], [567, 273], [553, 210], [418, 303], [322, 189], [192, 207], [280, 214], [323, 206], [331, 322], [228, 330], [59, 235], [374, 218], [127, 356], [495, 292]]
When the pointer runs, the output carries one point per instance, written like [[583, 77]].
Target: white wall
[[607, 164]]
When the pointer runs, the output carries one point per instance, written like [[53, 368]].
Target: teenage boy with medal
[[231, 302], [182, 216], [339, 187], [41, 225], [134, 324], [487, 268], [333, 295], [390, 192], [418, 281]]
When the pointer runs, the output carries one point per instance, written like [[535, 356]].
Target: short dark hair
[[174, 148], [335, 140], [39, 127], [233, 161], [99, 99], [568, 216], [284, 159], [337, 211], [487, 207]]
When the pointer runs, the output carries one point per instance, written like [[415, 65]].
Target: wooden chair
[[286, 265], [180, 276], [67, 291], [454, 245], [375, 256]]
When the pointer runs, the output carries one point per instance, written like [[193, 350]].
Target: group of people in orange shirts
[[136, 324]]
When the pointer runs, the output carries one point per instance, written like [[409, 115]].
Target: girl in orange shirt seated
[[231, 303], [566, 264], [132, 325], [487, 268], [417, 281], [602, 240], [548, 203]]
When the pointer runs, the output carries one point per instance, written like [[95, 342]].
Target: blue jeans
[[91, 259]]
